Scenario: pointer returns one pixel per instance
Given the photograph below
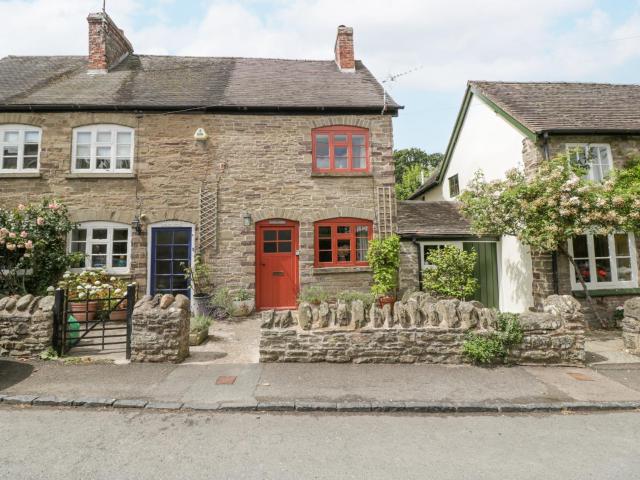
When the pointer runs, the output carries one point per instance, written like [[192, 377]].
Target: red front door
[[276, 264]]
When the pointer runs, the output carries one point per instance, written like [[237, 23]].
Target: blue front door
[[170, 253]]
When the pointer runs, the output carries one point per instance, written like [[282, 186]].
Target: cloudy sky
[[444, 42]]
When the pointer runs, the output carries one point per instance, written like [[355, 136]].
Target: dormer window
[[19, 148], [596, 157], [341, 150], [102, 149]]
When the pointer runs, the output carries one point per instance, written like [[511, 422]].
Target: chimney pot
[[345, 57]]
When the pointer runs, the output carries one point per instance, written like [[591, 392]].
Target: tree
[[407, 157], [451, 274], [553, 205], [411, 181]]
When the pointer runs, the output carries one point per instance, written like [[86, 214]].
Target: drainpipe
[[545, 145], [413, 240]]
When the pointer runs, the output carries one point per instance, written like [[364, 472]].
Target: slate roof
[[431, 219], [570, 107], [157, 82]]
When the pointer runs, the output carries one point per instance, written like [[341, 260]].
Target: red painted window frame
[[334, 223], [332, 132]]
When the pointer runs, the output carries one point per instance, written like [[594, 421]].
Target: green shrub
[[451, 274], [313, 294], [222, 298], [494, 347], [384, 258], [349, 296], [242, 295], [199, 323]]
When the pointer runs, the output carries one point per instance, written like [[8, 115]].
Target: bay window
[[103, 245], [340, 149], [102, 149], [342, 242], [605, 261], [19, 148]]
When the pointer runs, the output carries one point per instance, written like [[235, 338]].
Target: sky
[[442, 44]]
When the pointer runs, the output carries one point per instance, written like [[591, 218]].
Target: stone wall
[[420, 330], [261, 164], [409, 267], [26, 325], [631, 325], [160, 329]]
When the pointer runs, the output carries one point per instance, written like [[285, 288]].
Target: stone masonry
[[26, 325], [420, 330], [631, 325], [261, 163], [160, 329]]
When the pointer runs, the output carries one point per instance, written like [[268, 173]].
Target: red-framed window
[[341, 149], [341, 242]]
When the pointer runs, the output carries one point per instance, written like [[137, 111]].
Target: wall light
[[246, 219]]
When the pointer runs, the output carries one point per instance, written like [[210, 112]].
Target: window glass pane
[[344, 229], [124, 138], [622, 244], [163, 267], [181, 237], [103, 163], [120, 247], [344, 250], [120, 234], [324, 256], [99, 234], [31, 149], [284, 247], [163, 252], [340, 157], [32, 137], [284, 235], [580, 247], [181, 252], [103, 137], [83, 151], [179, 281], [270, 247], [270, 235], [98, 261], [124, 150], [163, 283], [322, 151], [82, 163], [324, 231], [601, 245], [83, 138], [179, 266], [10, 151], [163, 237], [324, 244], [11, 137], [119, 261], [103, 152], [79, 235], [624, 269], [603, 270], [427, 249], [340, 138], [99, 248], [30, 162], [583, 267], [78, 247], [10, 162], [357, 140], [362, 243]]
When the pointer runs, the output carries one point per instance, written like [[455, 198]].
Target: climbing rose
[[40, 221]]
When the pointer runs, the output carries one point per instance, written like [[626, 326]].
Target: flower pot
[[196, 338], [242, 308], [201, 304], [119, 315], [84, 311], [387, 299]]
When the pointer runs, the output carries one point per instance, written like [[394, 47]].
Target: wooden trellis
[[385, 210], [208, 216]]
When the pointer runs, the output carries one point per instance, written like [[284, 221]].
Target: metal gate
[[93, 324]]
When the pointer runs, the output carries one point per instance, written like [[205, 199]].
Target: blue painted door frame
[[170, 252]]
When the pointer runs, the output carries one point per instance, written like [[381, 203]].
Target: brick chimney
[[344, 49], [107, 44]]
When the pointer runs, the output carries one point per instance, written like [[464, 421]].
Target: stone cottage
[[278, 171], [504, 125]]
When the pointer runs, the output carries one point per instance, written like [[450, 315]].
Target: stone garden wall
[[631, 325], [26, 325], [419, 330], [160, 329]]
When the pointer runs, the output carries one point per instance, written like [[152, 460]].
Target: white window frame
[[93, 130], [587, 146], [110, 227], [440, 243], [595, 285], [21, 130]]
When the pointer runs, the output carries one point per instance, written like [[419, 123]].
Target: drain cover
[[225, 380], [580, 376]]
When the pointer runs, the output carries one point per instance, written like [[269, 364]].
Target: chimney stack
[[344, 49], [107, 44]]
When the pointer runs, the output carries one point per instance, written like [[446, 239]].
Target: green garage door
[[486, 272]]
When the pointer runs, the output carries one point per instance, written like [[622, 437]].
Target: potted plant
[[199, 276], [384, 258], [199, 329], [84, 291], [117, 301], [242, 304]]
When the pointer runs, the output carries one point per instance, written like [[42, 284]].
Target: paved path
[[79, 444]]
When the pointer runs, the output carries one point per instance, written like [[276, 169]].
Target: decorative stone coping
[[26, 325], [419, 330]]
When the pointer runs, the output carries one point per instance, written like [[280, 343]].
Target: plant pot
[[387, 299], [119, 315], [84, 311], [196, 338], [242, 308], [201, 304]]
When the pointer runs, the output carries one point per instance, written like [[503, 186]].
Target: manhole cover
[[580, 376], [226, 380]]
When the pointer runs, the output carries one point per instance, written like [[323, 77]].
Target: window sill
[[74, 176], [20, 175], [607, 292], [341, 174], [332, 270]]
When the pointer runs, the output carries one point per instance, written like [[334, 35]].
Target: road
[[69, 444]]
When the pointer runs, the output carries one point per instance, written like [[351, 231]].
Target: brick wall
[[262, 163]]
